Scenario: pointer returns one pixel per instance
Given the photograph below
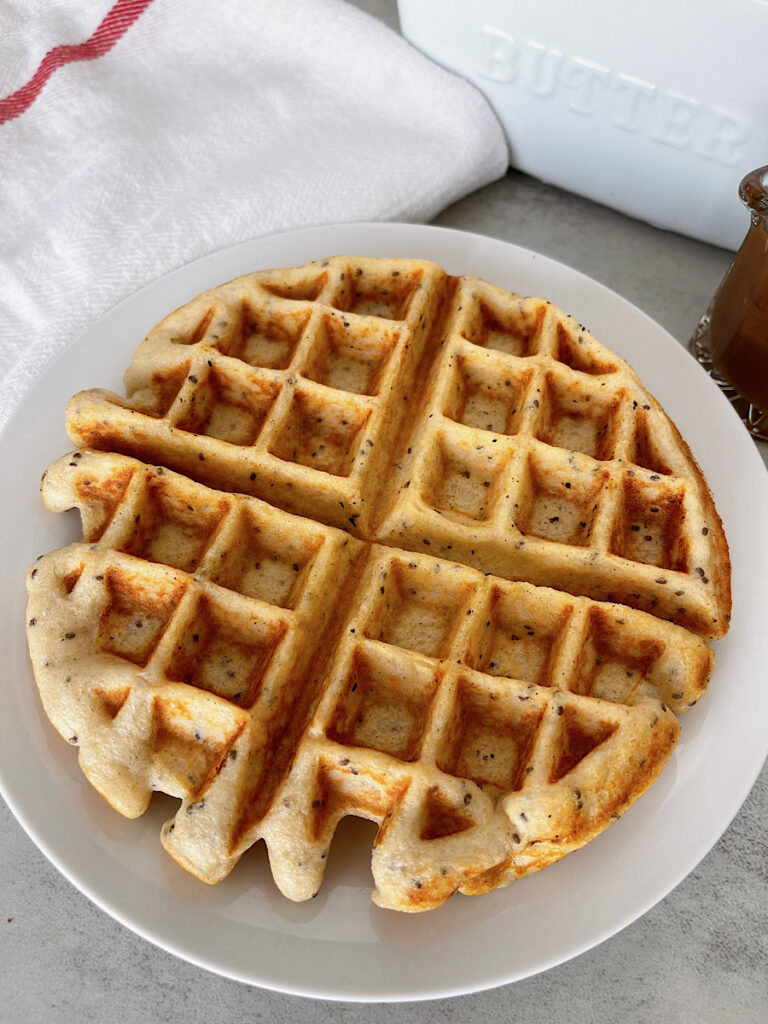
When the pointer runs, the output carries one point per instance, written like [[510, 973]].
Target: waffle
[[434, 414], [276, 674]]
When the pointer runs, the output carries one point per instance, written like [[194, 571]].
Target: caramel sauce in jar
[[738, 315]]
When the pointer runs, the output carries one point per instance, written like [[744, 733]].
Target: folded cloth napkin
[[138, 137]]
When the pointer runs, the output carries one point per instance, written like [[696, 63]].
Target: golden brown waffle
[[433, 413], [277, 674]]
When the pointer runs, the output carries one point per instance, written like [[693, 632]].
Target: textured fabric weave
[[206, 125]]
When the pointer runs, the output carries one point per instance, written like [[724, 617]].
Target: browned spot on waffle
[[522, 638], [651, 528], [138, 610], [224, 654], [484, 397], [113, 700], [579, 735], [350, 358], [384, 705], [491, 736], [72, 578], [102, 498], [185, 750], [264, 338], [647, 452], [318, 435], [339, 793], [581, 420], [225, 406], [201, 327], [171, 530], [460, 489], [368, 293], [256, 564], [514, 332], [416, 610], [549, 509], [572, 351], [614, 664], [161, 396], [442, 816], [299, 288]]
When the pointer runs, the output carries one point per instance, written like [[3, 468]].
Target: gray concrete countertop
[[701, 955]]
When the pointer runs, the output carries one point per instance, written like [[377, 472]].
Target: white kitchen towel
[[198, 125]]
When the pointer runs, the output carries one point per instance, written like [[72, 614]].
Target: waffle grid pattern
[[445, 698], [536, 455], [456, 574], [534, 451], [290, 393], [185, 590], [463, 700]]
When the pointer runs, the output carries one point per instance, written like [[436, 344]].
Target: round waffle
[[477, 574]]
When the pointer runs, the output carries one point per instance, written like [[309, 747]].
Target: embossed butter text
[[628, 103]]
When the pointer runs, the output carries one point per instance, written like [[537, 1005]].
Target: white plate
[[340, 946]]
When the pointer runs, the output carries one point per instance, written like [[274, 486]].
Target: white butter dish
[[657, 110]]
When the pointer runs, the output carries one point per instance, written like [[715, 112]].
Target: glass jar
[[731, 340]]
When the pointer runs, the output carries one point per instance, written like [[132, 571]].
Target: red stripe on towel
[[118, 20]]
